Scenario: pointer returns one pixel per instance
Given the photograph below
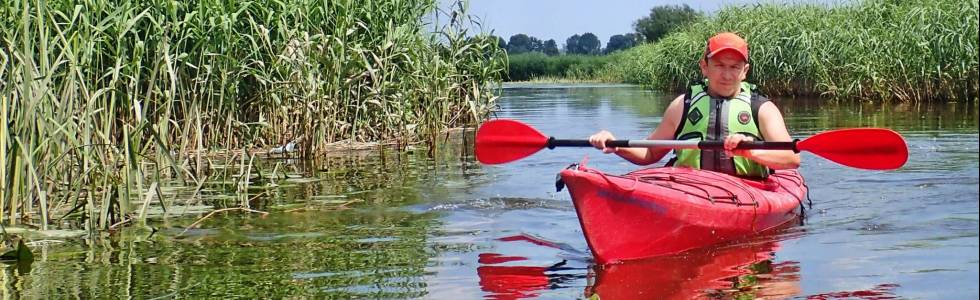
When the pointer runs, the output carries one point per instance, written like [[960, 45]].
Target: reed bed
[[535, 65], [874, 50], [103, 99]]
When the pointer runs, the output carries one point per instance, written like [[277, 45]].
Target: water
[[405, 225]]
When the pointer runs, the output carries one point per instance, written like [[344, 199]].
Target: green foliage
[[530, 66], [550, 48], [887, 50], [665, 18], [587, 44], [522, 43], [519, 43], [98, 97], [620, 42]]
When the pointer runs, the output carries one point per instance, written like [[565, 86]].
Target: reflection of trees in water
[[579, 99], [814, 114]]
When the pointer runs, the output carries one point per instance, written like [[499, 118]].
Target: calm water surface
[[385, 224]]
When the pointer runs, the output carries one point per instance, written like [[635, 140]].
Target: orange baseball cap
[[727, 41]]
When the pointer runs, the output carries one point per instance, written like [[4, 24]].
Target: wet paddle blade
[[864, 148], [501, 141]]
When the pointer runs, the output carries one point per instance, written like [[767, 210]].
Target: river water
[[436, 224]]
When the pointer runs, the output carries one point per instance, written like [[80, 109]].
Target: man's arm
[[664, 131], [773, 129]]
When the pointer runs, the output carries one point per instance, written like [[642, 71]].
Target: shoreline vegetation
[[104, 100], [872, 50], [535, 66]]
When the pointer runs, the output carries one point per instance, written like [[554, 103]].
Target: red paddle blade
[[864, 148], [501, 141]]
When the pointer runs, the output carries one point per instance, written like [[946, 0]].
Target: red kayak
[[659, 211]]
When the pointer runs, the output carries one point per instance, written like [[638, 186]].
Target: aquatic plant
[[103, 99], [871, 50]]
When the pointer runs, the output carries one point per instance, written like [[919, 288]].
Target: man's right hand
[[599, 139]]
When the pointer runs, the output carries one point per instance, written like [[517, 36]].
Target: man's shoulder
[[759, 98]]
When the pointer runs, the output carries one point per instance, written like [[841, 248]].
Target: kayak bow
[[659, 211]]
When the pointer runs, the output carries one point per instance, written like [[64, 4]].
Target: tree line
[[660, 21]]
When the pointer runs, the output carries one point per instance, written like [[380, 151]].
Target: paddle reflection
[[504, 281]]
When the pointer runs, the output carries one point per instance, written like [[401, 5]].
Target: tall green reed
[[102, 98], [871, 50]]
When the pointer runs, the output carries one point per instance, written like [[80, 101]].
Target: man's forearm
[[776, 159]]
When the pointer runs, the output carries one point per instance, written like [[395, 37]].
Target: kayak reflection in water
[[743, 270], [739, 270], [721, 108]]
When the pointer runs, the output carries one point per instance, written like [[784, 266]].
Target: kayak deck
[[660, 211]]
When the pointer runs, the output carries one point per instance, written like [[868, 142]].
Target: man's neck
[[715, 94]]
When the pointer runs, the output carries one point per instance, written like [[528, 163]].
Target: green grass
[[873, 50], [535, 66], [102, 98]]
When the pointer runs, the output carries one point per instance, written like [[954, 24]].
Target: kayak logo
[[656, 208], [743, 117], [695, 116]]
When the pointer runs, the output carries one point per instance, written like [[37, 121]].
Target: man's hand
[[732, 141], [599, 139]]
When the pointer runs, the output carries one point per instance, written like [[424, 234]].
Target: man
[[721, 107]]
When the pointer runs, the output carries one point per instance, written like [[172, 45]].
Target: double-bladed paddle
[[502, 140]]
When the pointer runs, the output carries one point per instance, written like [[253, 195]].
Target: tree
[[587, 43], [620, 42], [663, 19], [501, 43], [519, 43], [636, 37], [536, 45], [550, 48], [571, 44]]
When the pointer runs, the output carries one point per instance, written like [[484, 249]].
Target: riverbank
[[918, 51], [103, 100]]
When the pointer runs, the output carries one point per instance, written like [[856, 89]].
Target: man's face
[[724, 72]]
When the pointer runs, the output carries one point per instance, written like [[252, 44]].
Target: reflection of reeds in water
[[333, 231], [378, 254], [870, 50], [100, 101]]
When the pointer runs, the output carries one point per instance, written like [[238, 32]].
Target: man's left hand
[[732, 141]]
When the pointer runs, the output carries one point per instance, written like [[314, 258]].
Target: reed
[[535, 65], [872, 50], [98, 97]]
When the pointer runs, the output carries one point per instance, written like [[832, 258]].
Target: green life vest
[[708, 118]]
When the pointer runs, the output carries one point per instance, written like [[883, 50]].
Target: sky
[[560, 19]]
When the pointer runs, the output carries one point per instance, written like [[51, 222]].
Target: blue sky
[[560, 19]]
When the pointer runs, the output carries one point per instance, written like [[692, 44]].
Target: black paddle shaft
[[553, 142]]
